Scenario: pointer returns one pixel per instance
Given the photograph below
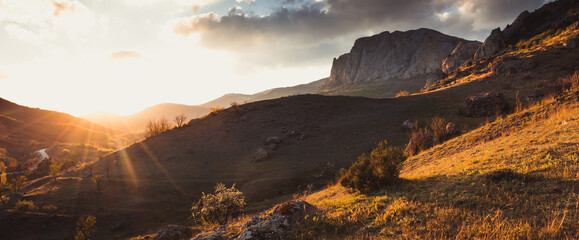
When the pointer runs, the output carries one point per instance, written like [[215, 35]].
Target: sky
[[121, 56]]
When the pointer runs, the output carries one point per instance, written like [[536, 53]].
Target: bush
[[85, 227], [402, 94], [220, 207], [380, 169], [420, 140], [155, 128], [49, 208], [24, 205]]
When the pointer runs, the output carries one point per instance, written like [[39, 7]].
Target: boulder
[[408, 125], [174, 232], [451, 129], [272, 140], [460, 55], [509, 66], [486, 104], [278, 223], [260, 155]]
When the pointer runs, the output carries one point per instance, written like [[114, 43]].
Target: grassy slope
[[456, 190], [24, 130], [164, 174], [515, 177]]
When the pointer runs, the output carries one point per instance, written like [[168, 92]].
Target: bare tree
[[155, 128], [180, 120]]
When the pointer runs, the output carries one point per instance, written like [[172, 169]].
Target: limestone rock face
[[492, 44], [396, 55], [461, 54], [554, 15]]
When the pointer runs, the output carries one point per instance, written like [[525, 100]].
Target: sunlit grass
[[460, 190]]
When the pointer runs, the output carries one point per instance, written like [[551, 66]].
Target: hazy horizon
[[88, 56]]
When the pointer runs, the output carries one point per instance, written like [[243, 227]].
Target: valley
[[510, 172]]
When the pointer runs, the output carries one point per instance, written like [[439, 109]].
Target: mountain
[[394, 61], [226, 100], [514, 177], [24, 130], [138, 121]]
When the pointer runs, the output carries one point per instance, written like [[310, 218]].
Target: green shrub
[[220, 207], [380, 169], [85, 227], [24, 205]]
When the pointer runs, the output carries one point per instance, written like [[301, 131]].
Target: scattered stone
[[174, 232], [278, 223], [260, 155], [571, 43], [451, 128], [486, 104], [408, 125], [272, 147], [87, 173], [272, 140]]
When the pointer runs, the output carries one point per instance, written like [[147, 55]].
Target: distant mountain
[[24, 130], [396, 61], [138, 121], [226, 100]]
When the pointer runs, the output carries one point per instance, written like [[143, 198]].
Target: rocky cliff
[[552, 16], [409, 56]]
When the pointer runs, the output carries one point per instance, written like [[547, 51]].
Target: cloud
[[246, 1], [60, 7], [126, 55], [313, 23]]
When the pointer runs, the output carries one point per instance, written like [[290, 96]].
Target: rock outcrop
[[411, 55], [277, 223], [174, 232], [554, 15], [461, 54], [486, 104]]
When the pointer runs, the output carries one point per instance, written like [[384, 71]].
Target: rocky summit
[[414, 55]]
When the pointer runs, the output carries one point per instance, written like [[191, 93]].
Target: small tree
[[96, 178], [3, 185], [180, 120], [55, 169], [16, 183], [219, 207], [85, 227]]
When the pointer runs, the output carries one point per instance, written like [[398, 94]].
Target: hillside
[[459, 189], [24, 130], [138, 121], [510, 179], [226, 100]]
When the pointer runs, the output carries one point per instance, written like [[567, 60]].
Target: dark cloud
[[126, 55], [310, 25]]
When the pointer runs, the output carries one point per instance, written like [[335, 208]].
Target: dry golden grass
[[514, 178]]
